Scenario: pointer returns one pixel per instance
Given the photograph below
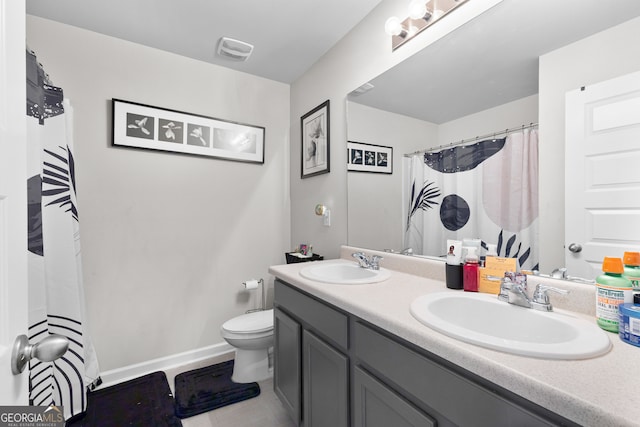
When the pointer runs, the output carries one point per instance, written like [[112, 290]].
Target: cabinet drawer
[[446, 392], [316, 316], [375, 405]]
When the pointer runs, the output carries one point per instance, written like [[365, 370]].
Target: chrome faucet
[[515, 293], [541, 299], [372, 263], [562, 273]]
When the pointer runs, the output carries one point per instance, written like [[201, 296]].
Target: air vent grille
[[234, 49]]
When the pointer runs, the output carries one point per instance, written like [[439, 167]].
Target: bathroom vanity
[[353, 355]]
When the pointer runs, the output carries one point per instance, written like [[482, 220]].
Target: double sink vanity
[[395, 347]]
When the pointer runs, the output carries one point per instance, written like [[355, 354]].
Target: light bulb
[[393, 26], [417, 9]]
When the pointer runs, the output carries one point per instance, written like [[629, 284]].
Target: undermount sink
[[483, 320], [343, 273]]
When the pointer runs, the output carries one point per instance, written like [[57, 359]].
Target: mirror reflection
[[477, 90]]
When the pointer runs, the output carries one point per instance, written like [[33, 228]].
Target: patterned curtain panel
[[56, 296], [486, 190]]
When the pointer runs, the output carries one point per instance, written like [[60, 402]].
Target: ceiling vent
[[234, 49], [362, 89]]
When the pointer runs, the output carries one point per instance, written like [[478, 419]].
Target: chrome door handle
[[575, 248], [47, 350]]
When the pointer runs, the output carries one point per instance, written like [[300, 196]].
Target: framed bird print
[[144, 126], [363, 157], [315, 141]]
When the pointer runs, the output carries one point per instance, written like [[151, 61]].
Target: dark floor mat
[[145, 401], [209, 388]]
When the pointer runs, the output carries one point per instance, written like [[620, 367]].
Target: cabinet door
[[326, 381], [375, 405], [286, 363]]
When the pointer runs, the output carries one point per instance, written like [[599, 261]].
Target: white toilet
[[252, 335]]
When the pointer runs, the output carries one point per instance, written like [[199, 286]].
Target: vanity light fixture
[[422, 14]]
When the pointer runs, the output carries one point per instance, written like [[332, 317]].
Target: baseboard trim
[[126, 373]]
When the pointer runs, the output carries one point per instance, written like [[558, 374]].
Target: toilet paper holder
[[248, 285]]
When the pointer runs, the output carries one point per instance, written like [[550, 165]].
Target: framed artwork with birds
[[138, 125]]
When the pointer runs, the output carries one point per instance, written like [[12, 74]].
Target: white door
[[602, 173], [13, 193]]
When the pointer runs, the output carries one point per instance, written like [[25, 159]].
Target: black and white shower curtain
[[56, 295], [486, 190]]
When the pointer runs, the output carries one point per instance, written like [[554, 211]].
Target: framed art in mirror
[[154, 128], [315, 141], [363, 157]]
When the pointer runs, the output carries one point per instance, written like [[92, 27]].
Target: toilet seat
[[251, 323]]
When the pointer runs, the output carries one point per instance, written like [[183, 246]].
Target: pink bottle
[[470, 271]]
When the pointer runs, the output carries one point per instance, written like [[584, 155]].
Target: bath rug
[[209, 388], [144, 401]]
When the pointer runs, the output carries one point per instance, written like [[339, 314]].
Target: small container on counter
[[629, 325], [453, 275], [453, 267]]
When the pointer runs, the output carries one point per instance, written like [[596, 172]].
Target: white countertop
[[593, 392]]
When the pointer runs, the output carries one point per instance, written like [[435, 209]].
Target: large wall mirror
[[479, 80]]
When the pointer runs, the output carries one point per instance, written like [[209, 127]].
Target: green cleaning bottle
[[612, 289], [631, 261]]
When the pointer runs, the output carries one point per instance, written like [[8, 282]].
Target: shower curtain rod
[[475, 139]]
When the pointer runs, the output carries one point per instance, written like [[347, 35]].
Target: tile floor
[[264, 410]]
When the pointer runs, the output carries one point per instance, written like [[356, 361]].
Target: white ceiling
[[489, 61], [492, 59], [289, 35]]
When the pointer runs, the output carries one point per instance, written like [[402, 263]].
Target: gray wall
[[359, 57], [167, 239]]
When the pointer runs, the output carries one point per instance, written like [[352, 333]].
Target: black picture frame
[[144, 126], [315, 137], [363, 157]]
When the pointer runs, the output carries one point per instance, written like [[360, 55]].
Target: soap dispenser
[[470, 271]]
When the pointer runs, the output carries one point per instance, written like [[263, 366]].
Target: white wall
[[359, 57], [375, 201], [167, 239], [512, 114], [603, 56]]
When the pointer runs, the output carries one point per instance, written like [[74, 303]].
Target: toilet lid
[[258, 321]]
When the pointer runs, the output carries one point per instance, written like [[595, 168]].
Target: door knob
[[575, 248], [47, 350]]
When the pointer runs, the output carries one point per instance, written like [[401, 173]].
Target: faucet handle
[[541, 298], [375, 262], [362, 259], [505, 287]]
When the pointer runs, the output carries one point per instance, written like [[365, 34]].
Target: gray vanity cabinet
[[448, 394], [311, 368], [333, 369]]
